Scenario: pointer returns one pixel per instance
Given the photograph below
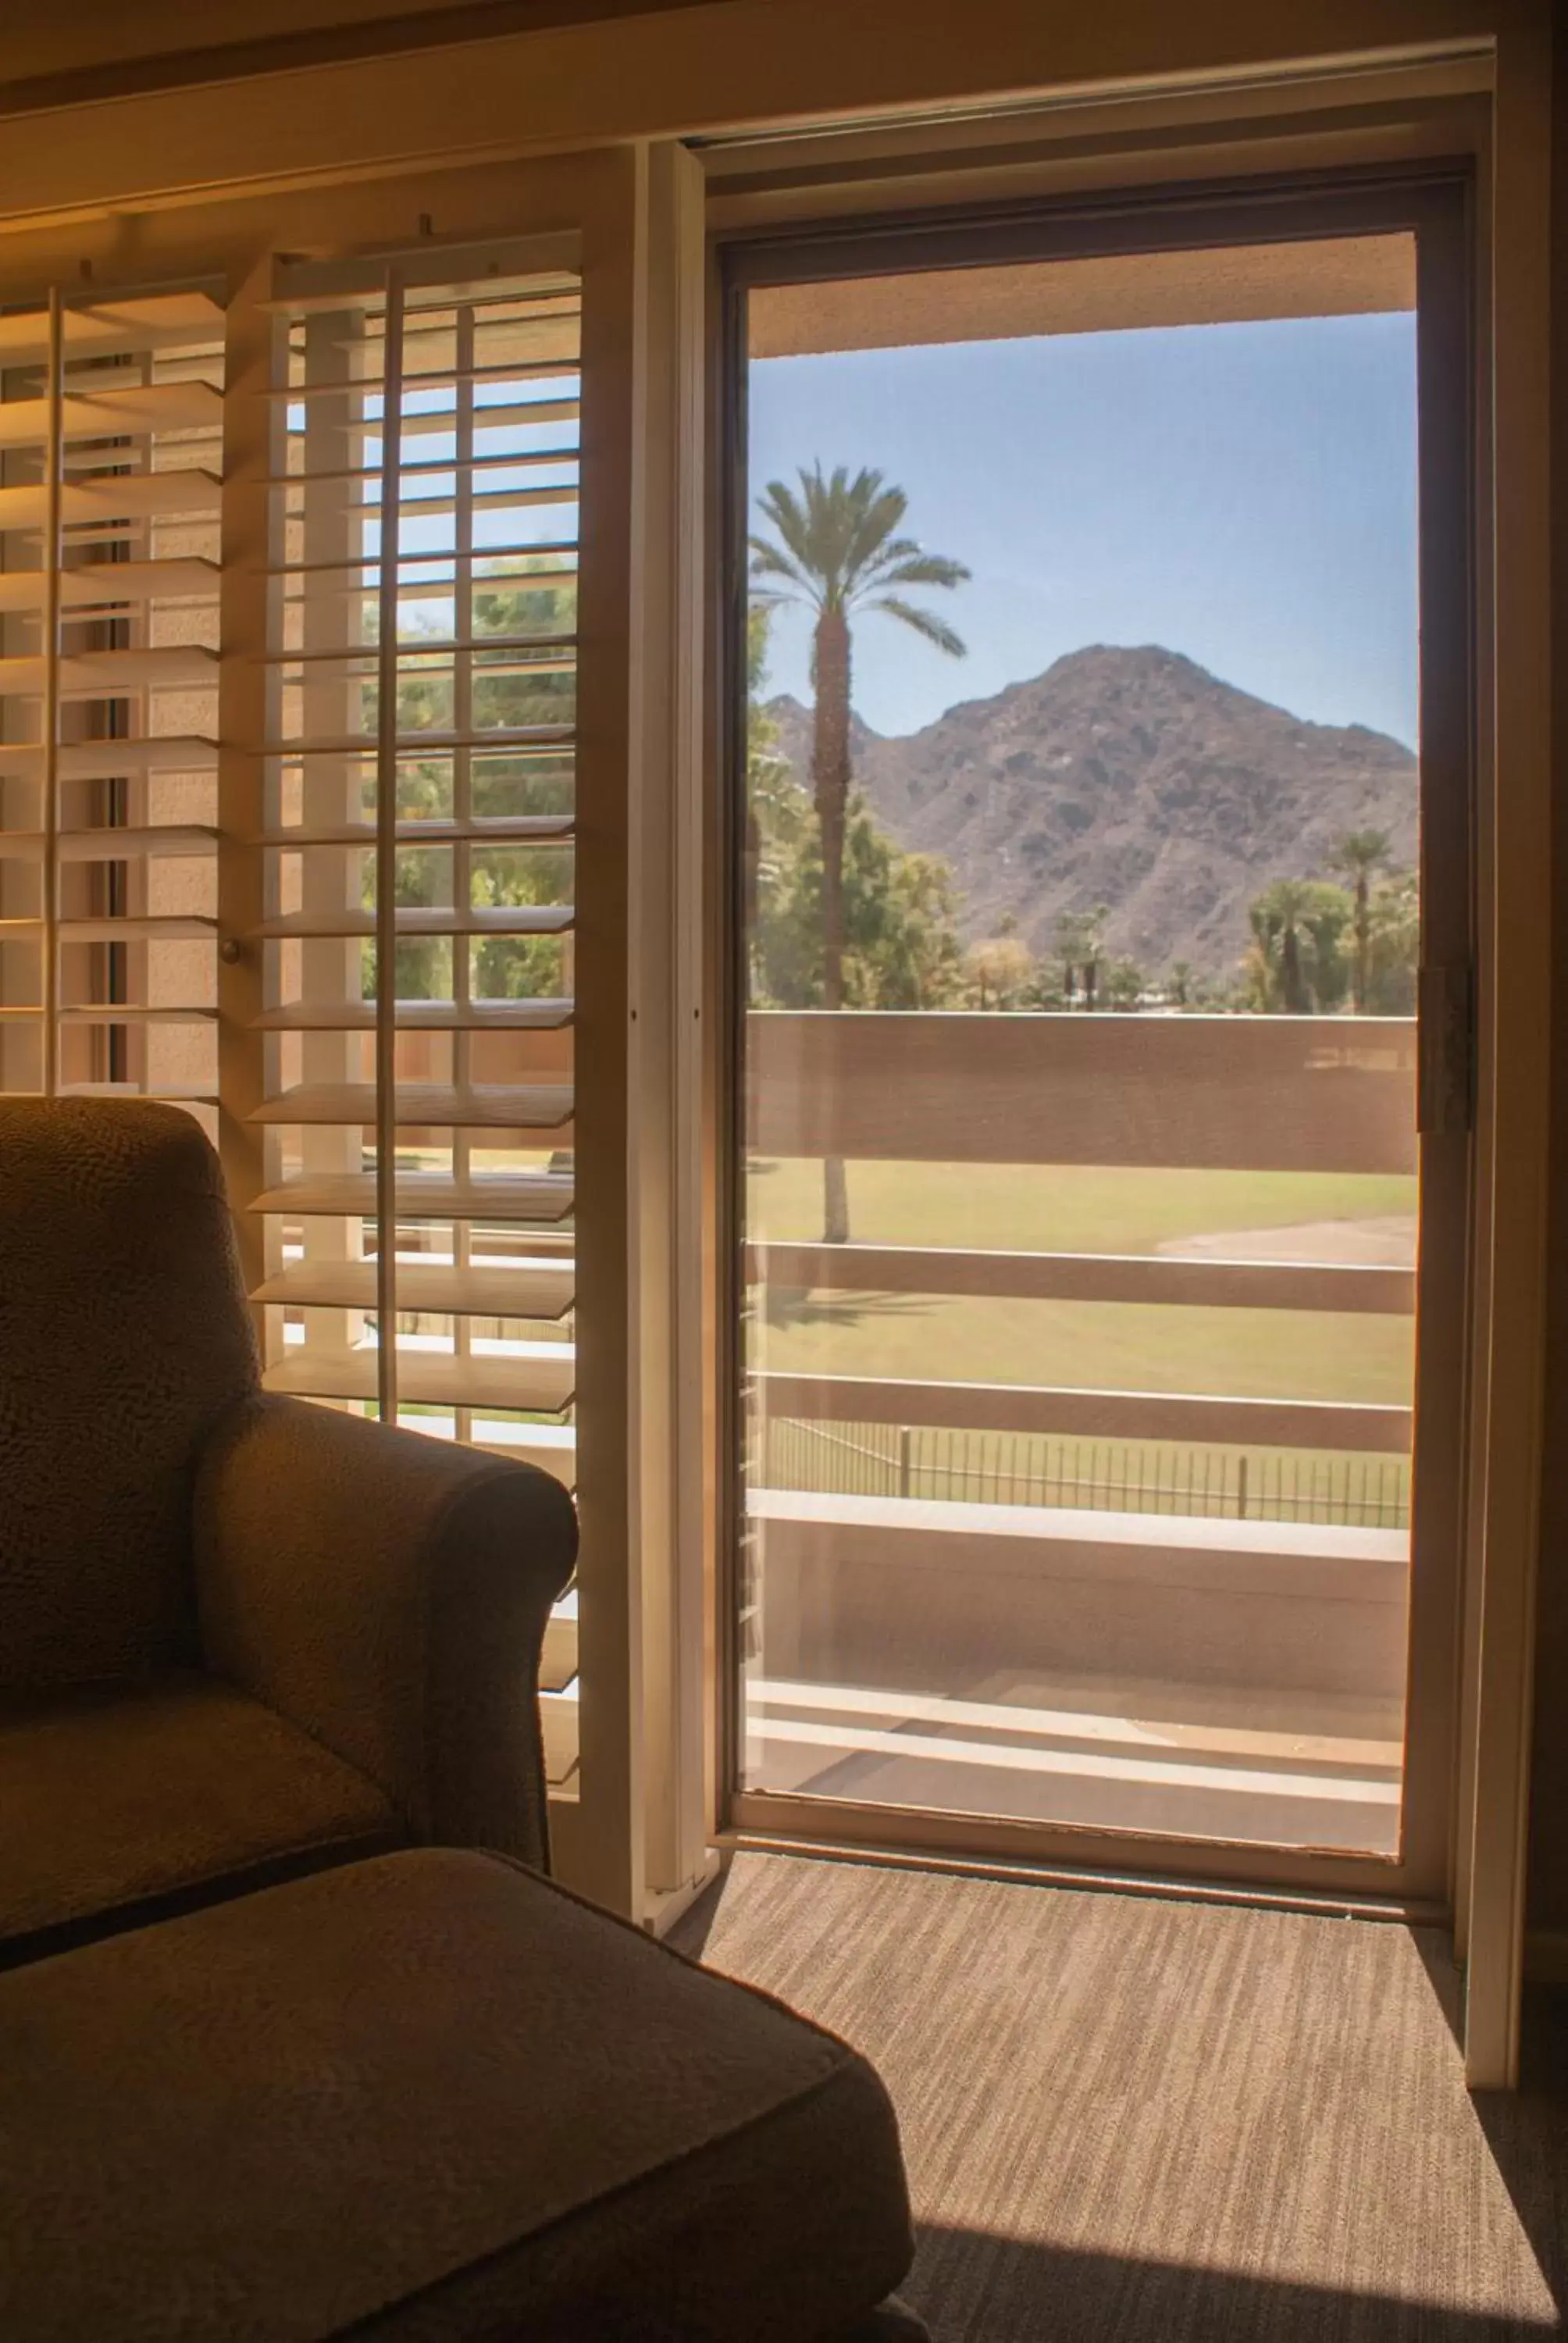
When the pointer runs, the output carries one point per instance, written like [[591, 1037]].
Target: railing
[[1011, 1469], [974, 1594], [1214, 1093]]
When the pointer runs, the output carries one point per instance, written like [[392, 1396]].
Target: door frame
[[1433, 200]]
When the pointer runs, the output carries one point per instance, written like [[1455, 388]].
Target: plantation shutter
[[416, 946], [412, 1138], [111, 421]]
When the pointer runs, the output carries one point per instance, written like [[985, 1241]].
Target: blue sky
[[1244, 493]]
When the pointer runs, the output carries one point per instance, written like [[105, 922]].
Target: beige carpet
[[1136, 2121]]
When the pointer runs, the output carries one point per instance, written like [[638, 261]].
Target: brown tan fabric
[[430, 2097], [124, 1336], [383, 1596], [117, 1800], [389, 1593]]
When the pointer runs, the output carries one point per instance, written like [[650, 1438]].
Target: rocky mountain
[[1131, 777]]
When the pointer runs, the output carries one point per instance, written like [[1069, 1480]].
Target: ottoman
[[431, 2095]]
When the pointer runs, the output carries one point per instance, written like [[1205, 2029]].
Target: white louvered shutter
[[419, 793], [111, 432]]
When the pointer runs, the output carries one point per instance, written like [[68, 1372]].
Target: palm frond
[[780, 505], [835, 545], [926, 569], [875, 513], [768, 562], [924, 622]]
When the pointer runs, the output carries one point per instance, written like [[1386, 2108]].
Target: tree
[[1296, 966], [1125, 984], [836, 550], [1183, 980], [1394, 945], [776, 807], [1358, 855], [1081, 947], [999, 967], [505, 690], [900, 943]]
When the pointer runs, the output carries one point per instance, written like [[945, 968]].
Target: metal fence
[[883, 1460]]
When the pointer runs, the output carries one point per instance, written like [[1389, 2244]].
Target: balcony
[[986, 1576]]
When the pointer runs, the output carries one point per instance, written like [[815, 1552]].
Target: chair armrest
[[388, 1593]]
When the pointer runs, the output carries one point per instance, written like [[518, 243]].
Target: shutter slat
[[109, 760], [482, 1106], [499, 830], [110, 583], [132, 412], [440, 466], [115, 505], [181, 927], [176, 841], [544, 1198], [109, 845], [527, 1385], [113, 674], [131, 1012], [418, 1017], [172, 1093], [299, 394], [534, 551], [112, 328], [480, 920], [413, 744], [478, 1290], [516, 655]]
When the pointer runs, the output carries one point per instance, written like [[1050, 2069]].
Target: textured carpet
[[1129, 2120]]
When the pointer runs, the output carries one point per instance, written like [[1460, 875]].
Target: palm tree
[[839, 552], [1279, 916], [1359, 854], [1080, 942]]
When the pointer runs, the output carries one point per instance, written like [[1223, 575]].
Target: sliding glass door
[[1102, 932]]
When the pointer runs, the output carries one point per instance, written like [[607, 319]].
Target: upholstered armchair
[[241, 1637]]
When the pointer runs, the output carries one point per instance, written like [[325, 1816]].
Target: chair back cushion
[[124, 1336]]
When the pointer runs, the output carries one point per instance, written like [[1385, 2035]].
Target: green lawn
[[1121, 1346], [1059, 1208]]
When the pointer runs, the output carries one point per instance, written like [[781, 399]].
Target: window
[[405, 1078]]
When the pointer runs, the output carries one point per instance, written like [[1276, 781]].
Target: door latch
[[1445, 1082]]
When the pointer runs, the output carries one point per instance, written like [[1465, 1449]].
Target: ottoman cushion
[[429, 2096]]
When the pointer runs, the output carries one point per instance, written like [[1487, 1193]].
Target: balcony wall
[[936, 1597], [1222, 1093]]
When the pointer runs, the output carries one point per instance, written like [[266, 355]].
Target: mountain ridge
[[1128, 776]]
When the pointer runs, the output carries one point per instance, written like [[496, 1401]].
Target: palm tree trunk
[[1290, 981], [831, 786], [1363, 943]]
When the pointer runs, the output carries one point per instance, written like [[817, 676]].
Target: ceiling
[[73, 54], [1331, 276]]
